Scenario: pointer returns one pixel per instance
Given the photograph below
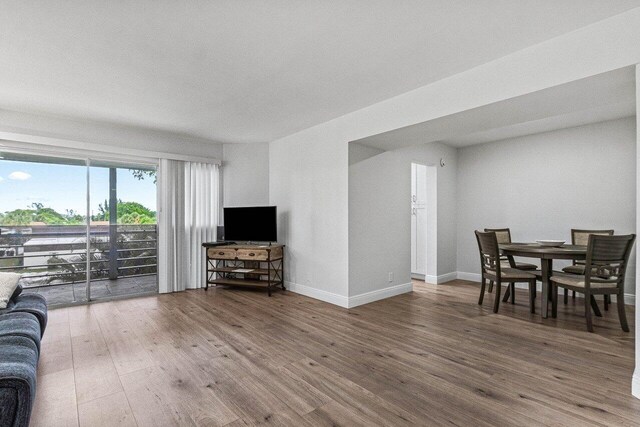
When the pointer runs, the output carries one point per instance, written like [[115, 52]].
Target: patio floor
[[75, 293]]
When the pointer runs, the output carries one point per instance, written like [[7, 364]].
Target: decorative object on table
[[605, 271], [492, 270]]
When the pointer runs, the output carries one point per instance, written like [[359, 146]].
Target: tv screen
[[254, 224]]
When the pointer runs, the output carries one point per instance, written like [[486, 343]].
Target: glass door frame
[[87, 157]]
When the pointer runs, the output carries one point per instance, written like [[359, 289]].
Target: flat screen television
[[250, 224]]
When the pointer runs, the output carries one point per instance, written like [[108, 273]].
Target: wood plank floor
[[235, 357]]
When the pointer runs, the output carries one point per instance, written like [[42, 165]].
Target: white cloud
[[19, 176], [1, 179]]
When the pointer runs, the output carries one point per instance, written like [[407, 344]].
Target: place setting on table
[[599, 260]]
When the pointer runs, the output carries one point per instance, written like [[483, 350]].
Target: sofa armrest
[[29, 303], [21, 324], [18, 361]]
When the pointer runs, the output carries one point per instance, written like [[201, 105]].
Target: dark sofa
[[22, 325]]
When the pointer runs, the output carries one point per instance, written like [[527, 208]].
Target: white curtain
[[188, 194]]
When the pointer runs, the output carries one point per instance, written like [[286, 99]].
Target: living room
[[207, 213]]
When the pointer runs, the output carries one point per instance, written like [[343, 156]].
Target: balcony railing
[[57, 255]]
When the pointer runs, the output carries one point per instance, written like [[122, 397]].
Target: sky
[[63, 187]]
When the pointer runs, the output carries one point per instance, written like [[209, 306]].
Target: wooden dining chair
[[581, 237], [504, 237], [493, 270], [604, 273]]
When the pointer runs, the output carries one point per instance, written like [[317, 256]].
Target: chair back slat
[[502, 234], [605, 249], [607, 257], [489, 251], [581, 237]]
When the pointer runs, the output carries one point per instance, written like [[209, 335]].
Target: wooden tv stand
[[256, 266]]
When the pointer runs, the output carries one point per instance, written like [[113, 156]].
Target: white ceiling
[[245, 71], [602, 97]]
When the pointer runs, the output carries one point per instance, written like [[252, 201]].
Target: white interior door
[[418, 220]]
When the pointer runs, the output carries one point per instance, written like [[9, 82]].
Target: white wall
[[360, 152], [307, 182], [635, 383], [380, 221], [543, 185], [309, 170], [88, 135], [245, 174]]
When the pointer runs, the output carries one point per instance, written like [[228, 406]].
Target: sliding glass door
[[78, 229], [123, 240], [43, 224]]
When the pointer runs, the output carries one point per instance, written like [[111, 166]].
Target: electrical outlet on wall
[[391, 276]]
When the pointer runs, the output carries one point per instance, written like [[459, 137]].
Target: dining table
[[546, 255]]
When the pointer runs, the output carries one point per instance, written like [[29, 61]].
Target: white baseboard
[[443, 278], [340, 300], [372, 296], [635, 384], [472, 277], [629, 299], [419, 276], [349, 302], [356, 300]]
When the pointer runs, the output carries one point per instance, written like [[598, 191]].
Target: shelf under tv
[[234, 270], [245, 265], [240, 282]]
